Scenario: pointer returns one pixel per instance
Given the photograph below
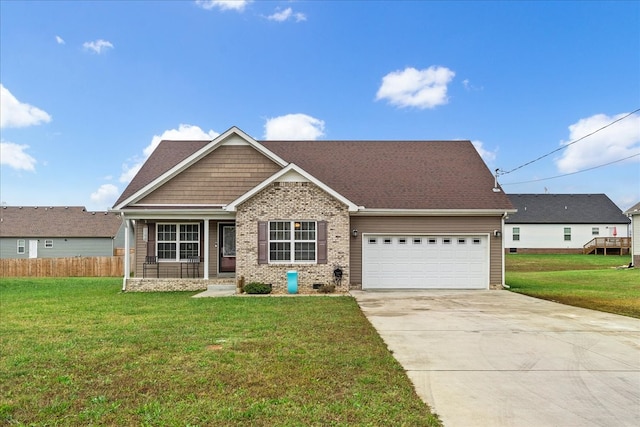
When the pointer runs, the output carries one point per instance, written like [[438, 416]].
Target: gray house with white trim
[[58, 232]]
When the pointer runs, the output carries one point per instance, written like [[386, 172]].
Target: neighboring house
[[389, 214], [634, 214], [58, 232], [565, 223]]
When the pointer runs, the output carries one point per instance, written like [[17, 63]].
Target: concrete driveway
[[496, 358]]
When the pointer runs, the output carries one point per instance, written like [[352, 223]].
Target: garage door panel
[[408, 262]]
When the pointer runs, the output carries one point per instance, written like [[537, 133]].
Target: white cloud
[[59, 40], [14, 113], [97, 46], [487, 156], [237, 5], [410, 87], [468, 86], [287, 14], [620, 140], [106, 195], [293, 127], [14, 156], [183, 133]]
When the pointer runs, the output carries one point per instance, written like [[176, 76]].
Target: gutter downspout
[[504, 285]]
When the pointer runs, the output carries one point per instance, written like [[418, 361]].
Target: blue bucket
[[292, 281]]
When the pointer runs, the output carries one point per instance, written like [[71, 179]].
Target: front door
[[227, 246]]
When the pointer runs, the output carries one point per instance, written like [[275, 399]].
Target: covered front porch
[[185, 252]]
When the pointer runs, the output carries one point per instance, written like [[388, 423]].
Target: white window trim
[[48, 244], [21, 244], [177, 241], [292, 241]]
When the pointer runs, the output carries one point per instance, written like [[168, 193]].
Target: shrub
[[257, 288]]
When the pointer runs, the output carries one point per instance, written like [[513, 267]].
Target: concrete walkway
[[496, 358]]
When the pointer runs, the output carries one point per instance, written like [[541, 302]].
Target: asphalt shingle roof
[[565, 209], [57, 221], [633, 210], [374, 174], [398, 174]]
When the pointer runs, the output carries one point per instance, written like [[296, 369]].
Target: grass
[[589, 281], [79, 352]]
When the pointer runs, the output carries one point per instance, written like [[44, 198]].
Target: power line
[[573, 173], [500, 172]]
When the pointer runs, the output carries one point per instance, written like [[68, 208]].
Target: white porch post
[[127, 252], [206, 249]]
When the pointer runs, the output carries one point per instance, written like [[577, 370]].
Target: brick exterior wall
[[302, 201]]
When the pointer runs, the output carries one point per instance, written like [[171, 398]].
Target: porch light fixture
[[497, 233], [354, 232]]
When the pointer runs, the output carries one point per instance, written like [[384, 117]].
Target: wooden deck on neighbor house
[[608, 245]]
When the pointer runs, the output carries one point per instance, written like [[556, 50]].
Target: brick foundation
[[172, 285]]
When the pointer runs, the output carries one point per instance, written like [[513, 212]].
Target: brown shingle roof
[[57, 221], [166, 155], [374, 174], [398, 174]]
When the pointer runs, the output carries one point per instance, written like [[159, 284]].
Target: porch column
[[206, 249], [127, 251]]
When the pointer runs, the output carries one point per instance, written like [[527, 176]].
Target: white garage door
[[425, 262]]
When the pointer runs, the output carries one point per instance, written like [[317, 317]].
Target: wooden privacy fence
[[63, 267]]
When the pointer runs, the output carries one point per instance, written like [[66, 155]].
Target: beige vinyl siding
[[219, 178], [424, 226]]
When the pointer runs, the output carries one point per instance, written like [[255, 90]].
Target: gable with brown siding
[[217, 179]]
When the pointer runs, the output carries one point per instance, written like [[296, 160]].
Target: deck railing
[[617, 244]]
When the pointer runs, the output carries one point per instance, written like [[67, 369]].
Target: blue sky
[[90, 88]]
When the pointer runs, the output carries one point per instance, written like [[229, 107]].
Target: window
[[178, 241], [22, 248], [516, 233], [432, 241], [387, 241], [417, 241], [595, 231], [292, 241], [476, 241], [402, 241], [48, 244], [373, 241], [446, 241], [462, 241], [567, 234]]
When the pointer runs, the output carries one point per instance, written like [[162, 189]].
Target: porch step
[[231, 287]]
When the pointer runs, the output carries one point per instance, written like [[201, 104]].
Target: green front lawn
[[589, 281], [79, 352]]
